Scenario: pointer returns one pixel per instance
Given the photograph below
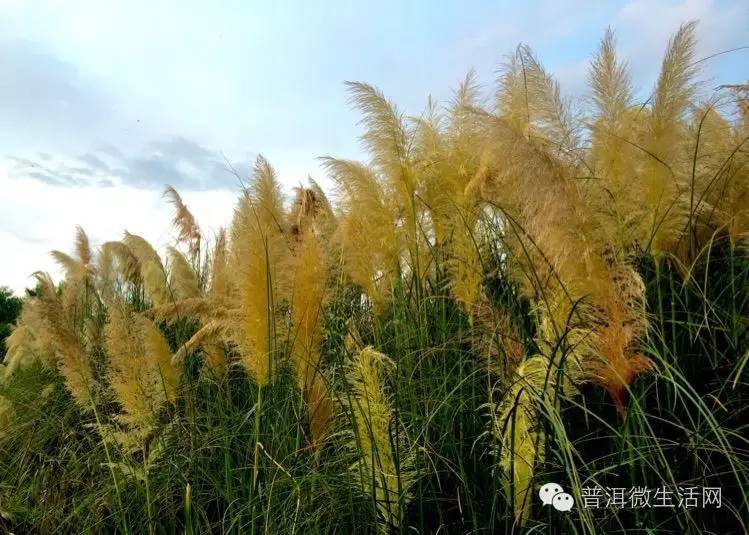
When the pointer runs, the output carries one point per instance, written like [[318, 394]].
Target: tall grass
[[511, 292]]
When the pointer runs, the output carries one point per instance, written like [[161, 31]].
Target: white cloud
[[8, 5], [644, 28], [37, 218], [258, 77]]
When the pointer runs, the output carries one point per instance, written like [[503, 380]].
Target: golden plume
[[389, 143], [258, 247], [60, 331], [516, 428], [370, 243], [450, 158], [118, 265], [139, 369], [220, 284], [6, 415], [307, 301], [385, 137], [184, 221], [531, 104], [720, 190], [614, 154], [385, 463], [183, 281], [77, 268], [215, 354], [152, 271], [325, 218], [666, 211], [559, 230]]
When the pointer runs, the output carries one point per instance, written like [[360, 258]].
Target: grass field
[[511, 292]]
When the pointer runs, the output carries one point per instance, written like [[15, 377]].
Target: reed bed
[[511, 291]]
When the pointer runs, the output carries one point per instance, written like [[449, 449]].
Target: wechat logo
[[553, 494]]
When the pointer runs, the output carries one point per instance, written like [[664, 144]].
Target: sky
[[103, 103]]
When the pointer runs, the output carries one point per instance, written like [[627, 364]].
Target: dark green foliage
[[230, 461], [10, 308]]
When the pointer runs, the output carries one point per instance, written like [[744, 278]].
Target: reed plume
[[663, 172], [61, 330], [308, 292], [239, 311], [613, 154], [386, 138], [564, 242], [516, 428], [449, 162], [152, 271], [29, 341], [311, 211], [214, 349], [220, 283], [719, 196], [389, 142], [324, 219], [78, 294], [183, 281], [6, 416], [188, 229], [119, 271], [77, 268], [385, 464], [258, 247], [370, 243], [139, 369], [564, 251]]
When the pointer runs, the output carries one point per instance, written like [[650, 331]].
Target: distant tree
[[10, 307]]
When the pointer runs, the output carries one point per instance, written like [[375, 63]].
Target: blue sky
[[101, 106]]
